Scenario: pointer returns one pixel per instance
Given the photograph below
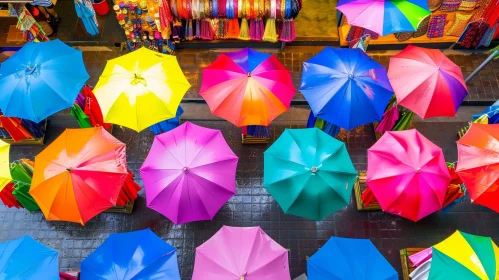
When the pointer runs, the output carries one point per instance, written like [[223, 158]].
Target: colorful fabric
[[80, 116], [487, 37], [474, 34], [403, 36], [450, 5], [7, 198], [422, 27], [22, 173], [436, 26], [434, 5], [92, 109], [459, 24], [129, 191], [354, 34], [371, 33], [468, 5]]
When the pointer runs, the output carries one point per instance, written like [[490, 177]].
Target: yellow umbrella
[[5, 177], [140, 89]]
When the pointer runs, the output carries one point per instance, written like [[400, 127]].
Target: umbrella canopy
[[140, 89], [241, 253], [345, 87], [133, 255], [349, 259], [247, 87], [478, 163], [189, 173], [5, 176], [426, 82], [26, 258], [464, 256], [407, 174], [79, 175], [385, 16], [309, 173], [41, 79]]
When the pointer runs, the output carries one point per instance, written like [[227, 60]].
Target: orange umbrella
[[478, 163], [79, 175]]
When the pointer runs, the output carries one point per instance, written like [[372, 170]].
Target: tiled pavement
[[252, 206]]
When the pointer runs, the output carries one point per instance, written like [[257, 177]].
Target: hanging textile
[[37, 130], [85, 11], [32, 31], [14, 128], [390, 118], [473, 34], [81, 118], [167, 125], [7, 198], [258, 131], [92, 109], [22, 173], [129, 191]]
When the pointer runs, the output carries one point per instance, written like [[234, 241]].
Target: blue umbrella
[[345, 87], [26, 258], [349, 259], [133, 255], [492, 113], [40, 80]]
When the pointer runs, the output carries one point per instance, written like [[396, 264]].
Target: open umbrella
[[407, 174], [133, 255], [345, 87], [189, 173], [426, 82], [385, 16], [478, 163], [26, 258], [41, 79], [79, 175], [241, 253], [309, 173], [140, 89], [349, 259], [464, 256], [5, 176], [247, 87]]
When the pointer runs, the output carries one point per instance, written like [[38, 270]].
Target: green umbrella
[[309, 173]]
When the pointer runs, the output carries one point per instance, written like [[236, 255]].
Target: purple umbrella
[[189, 173]]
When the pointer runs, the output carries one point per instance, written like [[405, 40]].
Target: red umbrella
[[426, 82], [478, 163]]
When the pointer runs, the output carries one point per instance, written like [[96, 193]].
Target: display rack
[[359, 187], [127, 209], [37, 141], [407, 267]]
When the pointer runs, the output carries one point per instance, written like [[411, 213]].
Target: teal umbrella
[[309, 173]]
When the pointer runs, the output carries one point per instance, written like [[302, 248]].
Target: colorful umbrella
[[309, 173], [189, 173], [133, 255], [140, 89], [426, 82], [247, 87], [385, 16], [79, 175], [241, 253], [464, 256], [41, 79], [349, 259], [345, 87], [407, 174], [5, 176], [26, 258], [478, 163]]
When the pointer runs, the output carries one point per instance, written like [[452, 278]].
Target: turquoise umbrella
[[309, 173]]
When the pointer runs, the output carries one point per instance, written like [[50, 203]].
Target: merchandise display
[[155, 24]]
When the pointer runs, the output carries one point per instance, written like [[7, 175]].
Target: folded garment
[[422, 272], [8, 198], [129, 191], [368, 197], [420, 257]]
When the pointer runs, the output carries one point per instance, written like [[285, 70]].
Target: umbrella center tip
[[350, 76], [185, 170], [417, 170], [249, 74], [69, 169], [313, 169]]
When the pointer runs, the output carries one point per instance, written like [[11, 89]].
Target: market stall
[[470, 23], [157, 24]]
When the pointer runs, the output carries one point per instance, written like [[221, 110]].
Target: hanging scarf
[[244, 30], [198, 29], [189, 33], [288, 33], [233, 28], [165, 15], [270, 34], [256, 29], [273, 8]]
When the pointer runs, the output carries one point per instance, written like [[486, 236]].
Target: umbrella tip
[[185, 170], [249, 74], [313, 169], [417, 170], [69, 169]]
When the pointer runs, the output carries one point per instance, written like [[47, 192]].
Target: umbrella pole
[[489, 59]]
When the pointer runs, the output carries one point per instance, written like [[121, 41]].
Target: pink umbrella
[[407, 174], [189, 173], [241, 253]]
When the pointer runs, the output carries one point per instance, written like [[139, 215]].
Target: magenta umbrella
[[241, 253], [189, 173]]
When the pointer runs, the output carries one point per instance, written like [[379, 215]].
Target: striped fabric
[[43, 3]]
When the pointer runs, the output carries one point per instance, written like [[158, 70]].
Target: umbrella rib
[[31, 267], [390, 157], [431, 187], [202, 202], [2, 269], [213, 136], [219, 161], [263, 265], [210, 259], [286, 160], [343, 255], [131, 258], [166, 148]]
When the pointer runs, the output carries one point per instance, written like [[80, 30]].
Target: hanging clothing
[[92, 109], [85, 11], [81, 118], [129, 191], [35, 129], [22, 173], [7, 198], [15, 128], [473, 34]]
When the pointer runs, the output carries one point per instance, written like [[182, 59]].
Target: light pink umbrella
[[407, 174], [241, 253], [189, 173]]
